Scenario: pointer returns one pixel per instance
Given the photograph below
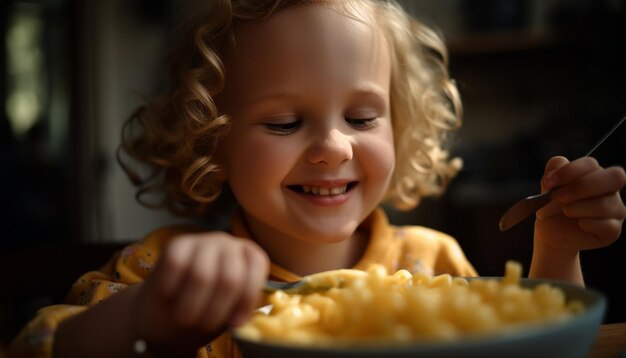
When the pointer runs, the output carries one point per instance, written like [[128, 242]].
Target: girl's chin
[[326, 229], [326, 237]]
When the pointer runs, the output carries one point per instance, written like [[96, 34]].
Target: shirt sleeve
[[131, 265], [432, 252], [451, 259]]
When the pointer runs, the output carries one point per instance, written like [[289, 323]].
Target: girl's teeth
[[324, 191]]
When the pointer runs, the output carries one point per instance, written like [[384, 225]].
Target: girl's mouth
[[314, 190]]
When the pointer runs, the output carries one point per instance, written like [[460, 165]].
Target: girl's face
[[310, 152]]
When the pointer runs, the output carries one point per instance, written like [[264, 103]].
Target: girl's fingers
[[566, 174], [577, 184], [211, 279], [229, 285], [198, 286], [595, 183], [173, 266], [607, 206], [257, 272], [606, 231], [549, 176]]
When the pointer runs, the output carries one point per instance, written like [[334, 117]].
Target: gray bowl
[[570, 339]]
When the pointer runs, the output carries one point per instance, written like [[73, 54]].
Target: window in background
[[35, 116]]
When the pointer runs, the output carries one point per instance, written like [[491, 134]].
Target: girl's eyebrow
[[372, 94], [272, 96], [370, 90], [364, 90]]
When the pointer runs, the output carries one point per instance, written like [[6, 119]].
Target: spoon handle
[[605, 136]]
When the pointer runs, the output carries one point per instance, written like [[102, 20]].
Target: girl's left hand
[[586, 212]]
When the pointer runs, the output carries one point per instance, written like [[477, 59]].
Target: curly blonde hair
[[177, 135]]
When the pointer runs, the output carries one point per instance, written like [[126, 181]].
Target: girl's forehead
[[309, 42], [294, 23]]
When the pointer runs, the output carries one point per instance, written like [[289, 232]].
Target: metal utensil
[[321, 281], [529, 205], [289, 287], [300, 287]]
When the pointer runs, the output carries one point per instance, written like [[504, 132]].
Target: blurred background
[[538, 78]]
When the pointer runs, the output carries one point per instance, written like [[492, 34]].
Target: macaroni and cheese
[[375, 307]]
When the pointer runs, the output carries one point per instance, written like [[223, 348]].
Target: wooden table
[[611, 341]]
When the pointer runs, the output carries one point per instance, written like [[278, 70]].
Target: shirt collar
[[376, 224]]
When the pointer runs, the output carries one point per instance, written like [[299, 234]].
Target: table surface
[[611, 341]]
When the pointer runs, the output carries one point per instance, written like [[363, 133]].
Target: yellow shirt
[[413, 248]]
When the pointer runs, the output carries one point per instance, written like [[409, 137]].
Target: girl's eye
[[362, 123], [283, 128]]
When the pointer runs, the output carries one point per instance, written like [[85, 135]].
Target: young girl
[[308, 114]]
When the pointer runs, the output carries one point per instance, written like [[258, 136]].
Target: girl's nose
[[332, 149]]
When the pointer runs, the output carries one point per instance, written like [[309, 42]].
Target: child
[[309, 113]]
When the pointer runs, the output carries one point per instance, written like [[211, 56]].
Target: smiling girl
[[310, 114]]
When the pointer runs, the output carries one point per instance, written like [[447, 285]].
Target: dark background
[[533, 86]]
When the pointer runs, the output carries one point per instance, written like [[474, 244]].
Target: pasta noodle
[[374, 307]]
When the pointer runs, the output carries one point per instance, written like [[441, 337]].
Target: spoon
[[317, 282], [289, 287], [529, 205]]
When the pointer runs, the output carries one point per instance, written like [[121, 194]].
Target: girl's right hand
[[202, 283]]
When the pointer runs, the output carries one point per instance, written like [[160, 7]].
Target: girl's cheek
[[379, 153]]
